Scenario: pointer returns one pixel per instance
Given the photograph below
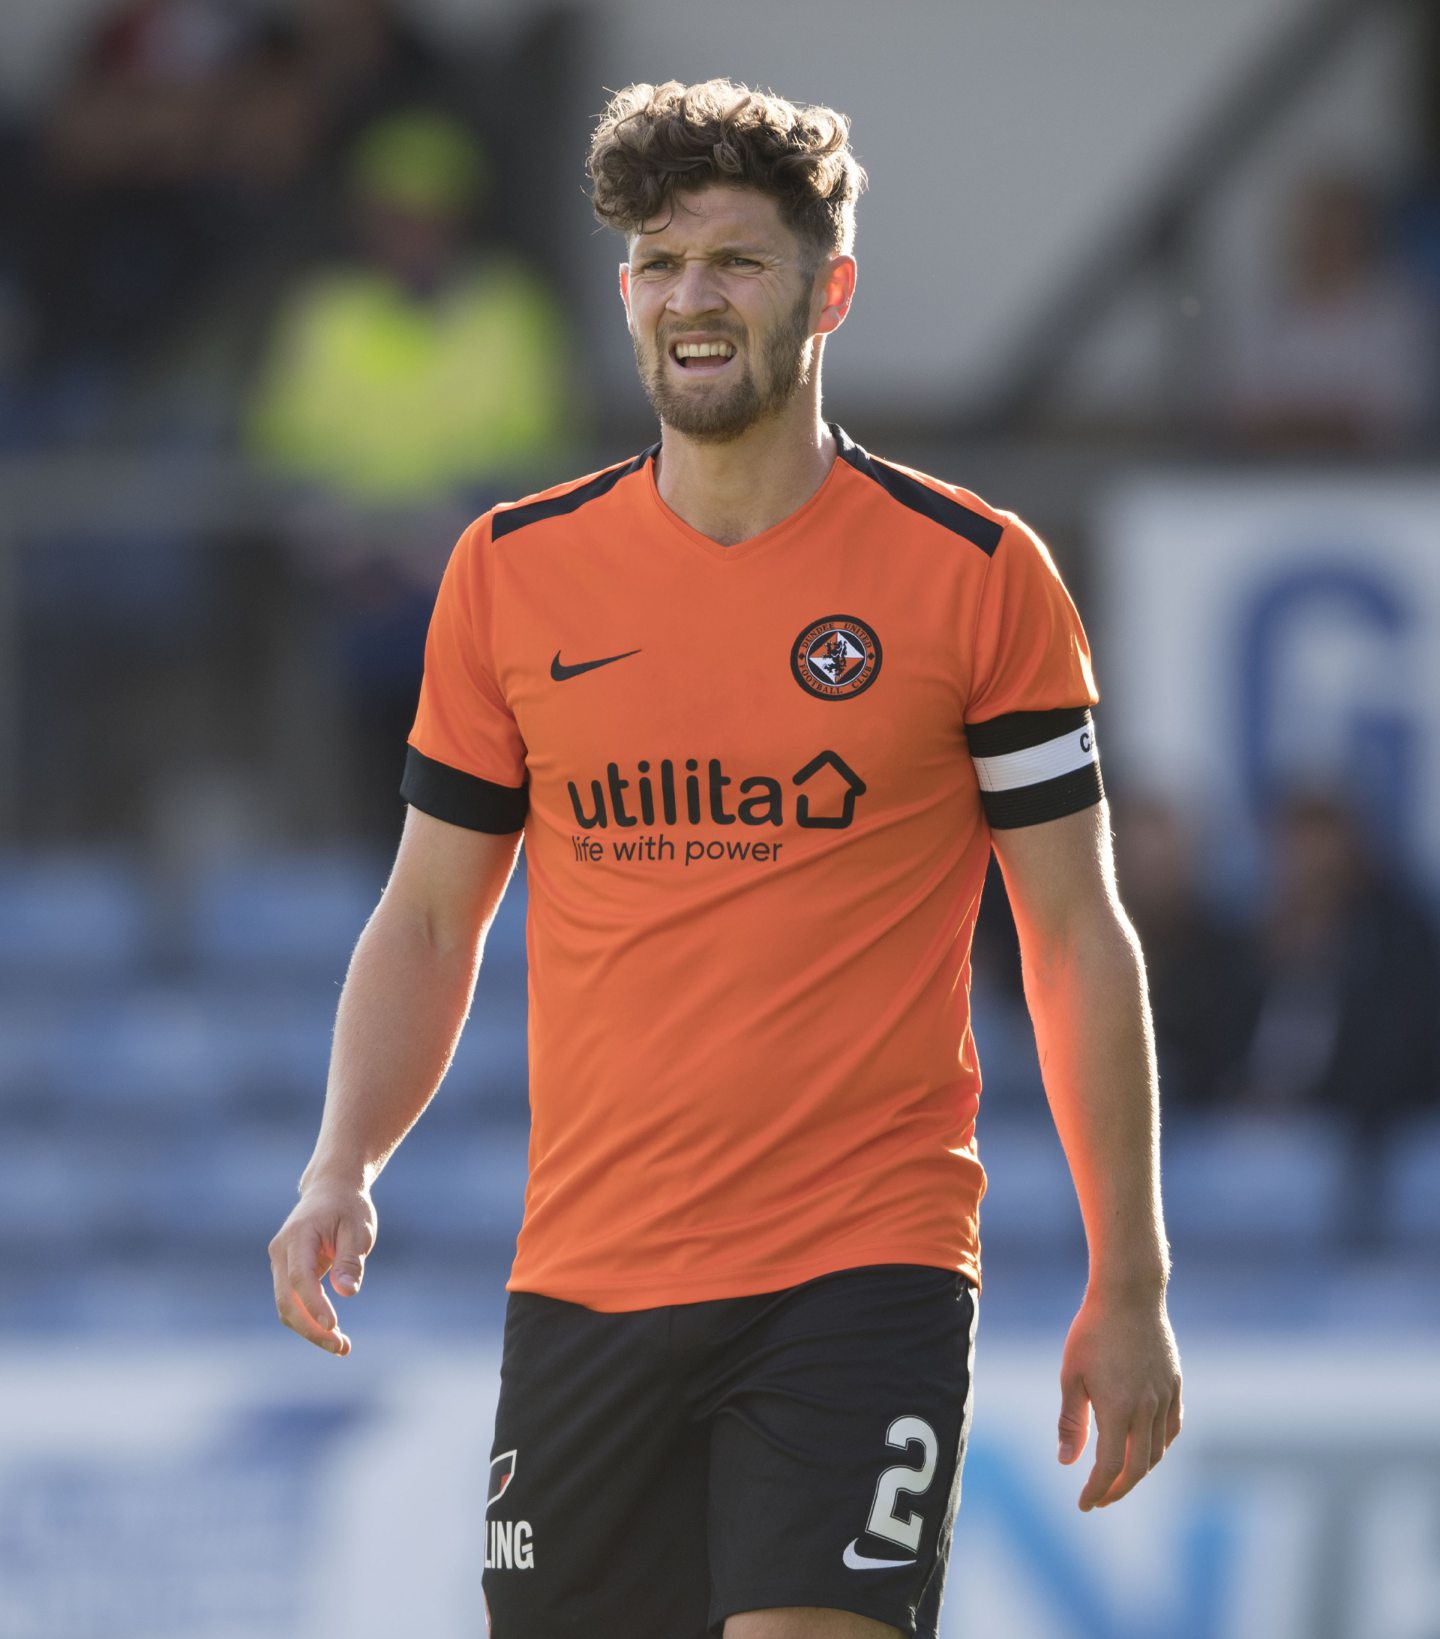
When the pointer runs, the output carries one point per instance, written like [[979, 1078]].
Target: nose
[[696, 291]]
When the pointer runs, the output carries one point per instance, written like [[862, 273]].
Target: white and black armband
[[1035, 765]]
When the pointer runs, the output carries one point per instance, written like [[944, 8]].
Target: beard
[[718, 415]]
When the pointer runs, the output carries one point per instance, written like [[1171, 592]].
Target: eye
[[653, 264], [744, 261]]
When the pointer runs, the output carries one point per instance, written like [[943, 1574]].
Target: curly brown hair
[[653, 140]]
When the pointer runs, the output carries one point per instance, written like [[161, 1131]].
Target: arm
[[1085, 986], [405, 1000]]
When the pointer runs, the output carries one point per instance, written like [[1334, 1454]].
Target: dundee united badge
[[836, 658]]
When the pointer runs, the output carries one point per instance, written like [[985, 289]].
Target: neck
[[739, 489]]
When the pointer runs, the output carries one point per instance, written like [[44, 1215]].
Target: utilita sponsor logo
[[820, 796]]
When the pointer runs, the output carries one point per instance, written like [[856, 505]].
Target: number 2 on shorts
[[903, 1433]]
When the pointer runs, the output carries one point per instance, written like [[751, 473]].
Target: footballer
[[760, 704]]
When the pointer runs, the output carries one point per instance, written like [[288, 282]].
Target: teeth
[[704, 350]]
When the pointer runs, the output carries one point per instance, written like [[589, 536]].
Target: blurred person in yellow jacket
[[428, 366], [426, 375]]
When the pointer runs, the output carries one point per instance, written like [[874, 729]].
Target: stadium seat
[[1029, 1204], [1411, 1193], [25, 1034], [504, 960], [272, 1044], [253, 1179], [461, 1193], [131, 1052], [46, 1203], [285, 912], [80, 913], [1238, 1183]]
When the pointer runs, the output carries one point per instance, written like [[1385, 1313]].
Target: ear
[[625, 294], [836, 283]]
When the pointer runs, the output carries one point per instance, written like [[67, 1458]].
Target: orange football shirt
[[756, 784]]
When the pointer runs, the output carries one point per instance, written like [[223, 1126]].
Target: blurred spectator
[[1341, 359], [1350, 993], [410, 385], [1202, 968], [366, 58], [190, 144], [429, 363], [183, 124]]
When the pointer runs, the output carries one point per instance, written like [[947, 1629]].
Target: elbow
[[1096, 948], [428, 932]]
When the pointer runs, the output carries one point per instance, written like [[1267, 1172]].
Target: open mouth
[[702, 358]]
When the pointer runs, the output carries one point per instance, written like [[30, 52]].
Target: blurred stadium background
[[289, 290]]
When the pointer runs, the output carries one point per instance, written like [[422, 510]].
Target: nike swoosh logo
[[856, 1561], [560, 672]]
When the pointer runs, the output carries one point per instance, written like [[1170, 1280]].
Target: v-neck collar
[[767, 538]]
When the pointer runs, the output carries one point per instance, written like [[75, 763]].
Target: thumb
[[1074, 1417], [348, 1270]]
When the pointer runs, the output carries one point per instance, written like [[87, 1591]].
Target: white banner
[[1254, 629], [264, 1491]]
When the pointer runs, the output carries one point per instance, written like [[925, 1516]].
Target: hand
[[1121, 1359], [331, 1229]]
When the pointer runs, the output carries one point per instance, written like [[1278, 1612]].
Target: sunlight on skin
[[806, 1622]]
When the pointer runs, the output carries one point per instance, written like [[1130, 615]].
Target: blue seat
[[84, 913], [273, 1044], [285, 911], [252, 1181], [1029, 1204], [490, 1073], [26, 1031], [148, 1049], [447, 1190], [1411, 1197], [504, 959], [1273, 1184], [48, 1201]]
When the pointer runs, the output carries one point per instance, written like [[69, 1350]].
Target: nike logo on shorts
[[856, 1561], [561, 672]]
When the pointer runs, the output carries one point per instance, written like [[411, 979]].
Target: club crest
[[836, 658]]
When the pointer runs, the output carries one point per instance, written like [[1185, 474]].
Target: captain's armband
[[1035, 765]]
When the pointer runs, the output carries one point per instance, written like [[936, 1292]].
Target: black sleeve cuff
[[458, 798]]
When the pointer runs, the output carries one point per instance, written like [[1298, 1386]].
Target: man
[[760, 704]]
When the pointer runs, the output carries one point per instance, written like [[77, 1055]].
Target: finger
[[301, 1301], [1175, 1418], [307, 1263], [1158, 1436], [293, 1313], [1137, 1453], [295, 1316], [1074, 1428], [1110, 1438], [299, 1319]]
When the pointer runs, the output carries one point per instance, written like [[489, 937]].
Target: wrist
[[330, 1174], [1132, 1284]]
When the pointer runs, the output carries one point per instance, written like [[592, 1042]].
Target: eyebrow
[[733, 249]]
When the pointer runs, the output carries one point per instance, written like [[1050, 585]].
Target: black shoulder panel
[[910, 492], [507, 521]]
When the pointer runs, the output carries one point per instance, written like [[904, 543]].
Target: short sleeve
[[466, 760], [1027, 718]]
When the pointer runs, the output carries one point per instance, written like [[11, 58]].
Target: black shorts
[[658, 1470]]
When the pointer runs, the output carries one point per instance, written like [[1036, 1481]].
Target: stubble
[[712, 414]]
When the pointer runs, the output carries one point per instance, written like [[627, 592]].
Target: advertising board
[[257, 1491]]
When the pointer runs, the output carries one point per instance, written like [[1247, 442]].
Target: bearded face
[[717, 402]]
